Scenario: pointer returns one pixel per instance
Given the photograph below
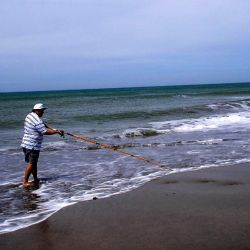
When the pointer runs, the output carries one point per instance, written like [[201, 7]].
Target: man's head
[[39, 109]]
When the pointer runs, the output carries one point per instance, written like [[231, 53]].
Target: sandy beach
[[204, 209]]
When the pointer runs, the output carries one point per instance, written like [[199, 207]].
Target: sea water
[[182, 127]]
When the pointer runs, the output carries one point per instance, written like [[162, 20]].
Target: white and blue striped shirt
[[34, 129]]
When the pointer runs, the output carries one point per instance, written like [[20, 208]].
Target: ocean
[[184, 128]]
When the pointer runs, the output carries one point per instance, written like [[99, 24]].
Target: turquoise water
[[183, 127]]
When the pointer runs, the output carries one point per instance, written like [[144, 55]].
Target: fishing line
[[116, 148]]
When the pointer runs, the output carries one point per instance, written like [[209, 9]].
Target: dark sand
[[205, 209]]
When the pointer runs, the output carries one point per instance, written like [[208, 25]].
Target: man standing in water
[[34, 129]]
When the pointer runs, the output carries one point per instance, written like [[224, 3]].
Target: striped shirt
[[34, 129]]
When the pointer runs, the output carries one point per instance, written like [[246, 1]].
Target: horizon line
[[129, 87]]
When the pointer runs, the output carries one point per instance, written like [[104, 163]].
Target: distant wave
[[203, 109], [140, 132], [237, 120]]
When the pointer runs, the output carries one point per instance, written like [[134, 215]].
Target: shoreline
[[105, 197], [203, 209]]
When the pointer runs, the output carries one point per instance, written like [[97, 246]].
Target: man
[[34, 129]]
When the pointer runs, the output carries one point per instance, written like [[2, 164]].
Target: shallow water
[[183, 127]]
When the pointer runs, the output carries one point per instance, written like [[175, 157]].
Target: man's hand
[[60, 132]]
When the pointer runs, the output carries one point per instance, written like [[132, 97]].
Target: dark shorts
[[31, 155]]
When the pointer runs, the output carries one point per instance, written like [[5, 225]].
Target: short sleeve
[[41, 128]]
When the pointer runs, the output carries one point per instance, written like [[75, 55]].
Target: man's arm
[[52, 131]]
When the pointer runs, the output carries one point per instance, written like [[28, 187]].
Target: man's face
[[40, 112]]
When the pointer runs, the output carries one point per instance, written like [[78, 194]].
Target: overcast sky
[[72, 44]]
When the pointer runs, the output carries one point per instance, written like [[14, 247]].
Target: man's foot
[[27, 184], [36, 181]]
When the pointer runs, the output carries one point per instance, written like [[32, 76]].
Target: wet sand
[[205, 209]]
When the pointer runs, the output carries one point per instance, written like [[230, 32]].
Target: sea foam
[[237, 120]]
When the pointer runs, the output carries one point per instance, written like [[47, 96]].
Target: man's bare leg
[[34, 173], [28, 171]]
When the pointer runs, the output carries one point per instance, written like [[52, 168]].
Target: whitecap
[[232, 120], [140, 132]]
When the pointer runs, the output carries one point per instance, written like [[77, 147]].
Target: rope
[[115, 148]]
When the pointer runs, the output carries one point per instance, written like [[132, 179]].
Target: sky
[[78, 44]]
